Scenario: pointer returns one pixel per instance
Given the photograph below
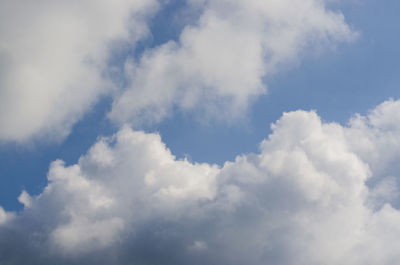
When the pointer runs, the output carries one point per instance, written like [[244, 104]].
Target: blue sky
[[339, 77]]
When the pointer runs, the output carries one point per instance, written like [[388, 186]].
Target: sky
[[199, 131]]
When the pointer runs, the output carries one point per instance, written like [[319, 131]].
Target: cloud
[[53, 58], [314, 194], [219, 63], [5, 216]]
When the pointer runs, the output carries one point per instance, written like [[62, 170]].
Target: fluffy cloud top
[[219, 62], [316, 193], [52, 58]]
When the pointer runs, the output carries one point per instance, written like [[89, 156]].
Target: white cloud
[[120, 181], [25, 199], [53, 56], [312, 195], [219, 63], [375, 137], [5, 216]]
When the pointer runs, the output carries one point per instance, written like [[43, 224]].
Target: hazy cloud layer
[[52, 58], [316, 193], [219, 62]]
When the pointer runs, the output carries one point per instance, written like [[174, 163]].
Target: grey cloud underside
[[316, 193]]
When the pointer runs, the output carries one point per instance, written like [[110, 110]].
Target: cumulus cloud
[[53, 56], [219, 62], [316, 193]]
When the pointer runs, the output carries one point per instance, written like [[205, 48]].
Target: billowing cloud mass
[[316, 193], [53, 55], [219, 62]]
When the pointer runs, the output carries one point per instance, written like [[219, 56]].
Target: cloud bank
[[316, 193]]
